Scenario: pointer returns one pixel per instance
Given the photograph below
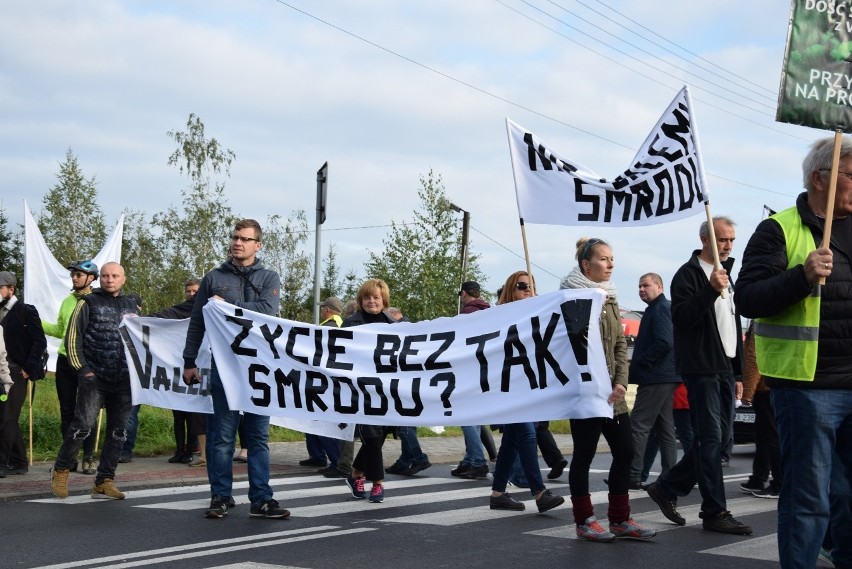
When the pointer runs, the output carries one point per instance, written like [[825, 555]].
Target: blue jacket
[[254, 288], [653, 352]]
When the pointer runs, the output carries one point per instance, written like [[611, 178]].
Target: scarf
[[576, 279]]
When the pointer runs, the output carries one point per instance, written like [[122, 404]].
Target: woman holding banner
[[519, 439], [373, 301], [594, 270]]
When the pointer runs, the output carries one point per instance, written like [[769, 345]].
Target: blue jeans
[[474, 453], [411, 452], [221, 440], [518, 439], [92, 394], [132, 430], [711, 406], [812, 424], [323, 448]]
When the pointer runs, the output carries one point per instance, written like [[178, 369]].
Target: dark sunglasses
[[522, 286]]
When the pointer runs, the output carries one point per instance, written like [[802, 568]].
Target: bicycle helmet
[[84, 266]]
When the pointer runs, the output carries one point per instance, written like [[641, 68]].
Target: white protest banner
[[154, 351], [47, 281], [537, 359], [665, 182]]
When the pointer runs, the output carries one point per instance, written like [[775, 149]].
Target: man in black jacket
[[803, 347], [708, 348], [25, 346], [96, 353], [652, 369]]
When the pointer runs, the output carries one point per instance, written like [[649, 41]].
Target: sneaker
[[724, 522], [89, 466], [631, 530], [415, 468], [107, 490], [269, 509], [636, 486], [668, 506], [505, 502], [751, 486], [825, 555], [125, 458], [557, 470], [768, 492], [460, 469], [592, 530], [548, 500], [59, 482], [357, 487], [218, 507], [377, 494], [178, 457], [475, 473]]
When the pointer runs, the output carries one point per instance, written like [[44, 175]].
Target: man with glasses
[[242, 281], [83, 274], [25, 347], [708, 351]]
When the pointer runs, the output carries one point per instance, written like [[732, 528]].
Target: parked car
[[744, 425]]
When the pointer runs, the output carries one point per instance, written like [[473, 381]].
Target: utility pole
[[322, 193], [465, 234]]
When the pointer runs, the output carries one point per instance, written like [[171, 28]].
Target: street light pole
[[465, 235]]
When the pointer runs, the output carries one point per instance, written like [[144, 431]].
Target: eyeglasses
[[241, 239], [522, 286], [847, 174]]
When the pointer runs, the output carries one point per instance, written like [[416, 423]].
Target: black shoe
[[505, 502], [415, 468], [557, 470], [726, 463], [218, 507], [312, 462], [178, 456], [270, 510], [125, 458], [397, 468], [460, 469], [9, 469], [73, 467], [231, 503], [771, 492], [334, 473], [636, 486], [724, 522], [751, 486], [475, 473], [548, 500], [667, 505]]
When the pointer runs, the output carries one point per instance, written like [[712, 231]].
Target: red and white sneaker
[[631, 530], [594, 531]]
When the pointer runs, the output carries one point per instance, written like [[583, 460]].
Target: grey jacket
[[253, 288]]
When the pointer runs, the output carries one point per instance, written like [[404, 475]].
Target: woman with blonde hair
[[519, 438], [595, 263], [373, 300]]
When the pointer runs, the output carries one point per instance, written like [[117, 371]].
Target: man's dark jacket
[[653, 352], [698, 347], [24, 337], [765, 287]]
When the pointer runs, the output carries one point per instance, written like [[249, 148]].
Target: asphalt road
[[428, 521]]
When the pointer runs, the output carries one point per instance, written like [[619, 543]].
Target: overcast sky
[[387, 90]]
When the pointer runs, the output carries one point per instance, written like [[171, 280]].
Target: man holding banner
[[242, 281], [802, 344]]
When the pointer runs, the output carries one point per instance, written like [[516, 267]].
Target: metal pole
[[322, 187]]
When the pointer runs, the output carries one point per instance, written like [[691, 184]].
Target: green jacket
[[615, 347], [57, 330]]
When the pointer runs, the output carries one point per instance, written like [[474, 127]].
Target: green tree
[[72, 222], [143, 265], [11, 247], [283, 252], [331, 284], [421, 260], [194, 239]]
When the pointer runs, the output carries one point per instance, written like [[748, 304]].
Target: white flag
[[664, 182], [47, 281]]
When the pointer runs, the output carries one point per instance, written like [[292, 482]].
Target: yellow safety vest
[[786, 344], [338, 321]]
